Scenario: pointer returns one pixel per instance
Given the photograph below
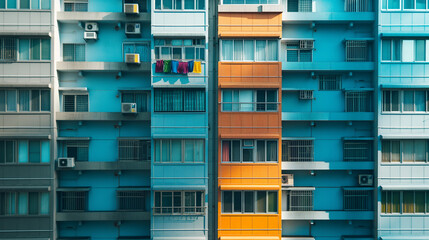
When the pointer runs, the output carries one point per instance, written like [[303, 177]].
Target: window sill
[[249, 163], [178, 164]]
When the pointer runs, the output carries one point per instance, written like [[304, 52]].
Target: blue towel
[[190, 66], [174, 65]]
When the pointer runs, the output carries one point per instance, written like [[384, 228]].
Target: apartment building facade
[[199, 119]]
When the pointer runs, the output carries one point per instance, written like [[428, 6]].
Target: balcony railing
[[298, 151], [358, 5]]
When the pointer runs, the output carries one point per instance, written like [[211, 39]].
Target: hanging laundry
[[159, 67], [174, 65], [197, 67], [185, 68], [180, 69], [167, 66], [191, 66]]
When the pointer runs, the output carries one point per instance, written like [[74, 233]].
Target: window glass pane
[[82, 103], [420, 201], [177, 53], [236, 151], [24, 49], [248, 155], [157, 4], [396, 155], [10, 151], [35, 4], [189, 53], [11, 100], [34, 151], [246, 100], [407, 50], [165, 150], [46, 49], [386, 49], [23, 151], [45, 100], [408, 150], [2, 100], [157, 150], [237, 201], [46, 4], [384, 4], [385, 151], [396, 50], [2, 4], [2, 151], [272, 202], [23, 203], [46, 154], [393, 4], [272, 50], [199, 151], [408, 202], [176, 150], [80, 52], [227, 100], [189, 150], [238, 50], [395, 101], [260, 50], [420, 50], [24, 4], [167, 4], [189, 4], [420, 150], [35, 49], [420, 4], [33, 200], [261, 206], [408, 100], [248, 202], [260, 154], [420, 101], [201, 4], [11, 4], [408, 4], [227, 49], [24, 100], [383, 202], [271, 151], [249, 51], [35, 101], [44, 203], [227, 202], [178, 4]]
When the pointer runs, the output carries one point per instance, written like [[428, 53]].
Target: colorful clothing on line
[[159, 67]]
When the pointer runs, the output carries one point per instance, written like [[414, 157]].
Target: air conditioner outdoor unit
[[366, 179], [132, 28], [90, 36], [306, 44], [287, 180], [91, 27], [129, 108], [132, 58], [66, 163], [306, 94], [131, 8]]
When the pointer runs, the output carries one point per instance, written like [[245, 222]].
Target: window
[[73, 52], [25, 4], [8, 47], [300, 5], [73, 201], [75, 103], [24, 151], [355, 200], [250, 2], [76, 6], [391, 49], [34, 49], [179, 150], [179, 100], [25, 100], [404, 202], [249, 100], [249, 202], [79, 150], [142, 4], [179, 203], [414, 4], [143, 49], [297, 150], [407, 151], [299, 51], [357, 150], [180, 49], [243, 50], [140, 98], [358, 5], [131, 200], [134, 150], [299, 200], [358, 101], [404, 50], [405, 101], [329, 82], [180, 4], [249, 151], [24, 203], [358, 51]]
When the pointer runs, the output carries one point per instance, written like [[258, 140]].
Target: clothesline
[[173, 66]]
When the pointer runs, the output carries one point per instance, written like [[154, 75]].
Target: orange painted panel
[[250, 125], [250, 74], [250, 25]]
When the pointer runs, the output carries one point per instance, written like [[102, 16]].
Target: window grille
[[143, 49], [76, 6], [357, 51], [179, 203], [75, 103], [329, 82], [298, 151], [131, 200], [300, 200], [73, 201], [357, 151], [357, 200], [8, 49], [78, 150], [300, 6], [73, 52], [300, 51], [134, 150], [358, 5], [306, 94], [358, 101]]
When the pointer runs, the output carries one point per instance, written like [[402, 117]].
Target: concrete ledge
[[250, 8], [102, 66], [99, 166], [328, 16], [318, 165], [328, 66], [101, 116], [328, 116], [102, 216], [101, 16], [327, 215]]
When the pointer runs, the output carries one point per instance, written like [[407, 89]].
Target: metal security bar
[[8, 49], [358, 5], [357, 151], [300, 200], [299, 51], [357, 51], [298, 151], [358, 101], [131, 200], [134, 150], [78, 150], [357, 200], [300, 6], [179, 203], [329, 82], [73, 201]]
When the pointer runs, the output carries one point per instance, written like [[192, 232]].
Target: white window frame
[[254, 201], [255, 151], [182, 7], [402, 152], [254, 48], [254, 103], [182, 146]]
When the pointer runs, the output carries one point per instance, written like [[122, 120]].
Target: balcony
[[328, 66], [102, 66], [101, 17], [101, 116], [328, 17], [320, 165], [328, 116], [109, 166], [102, 216], [327, 215]]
